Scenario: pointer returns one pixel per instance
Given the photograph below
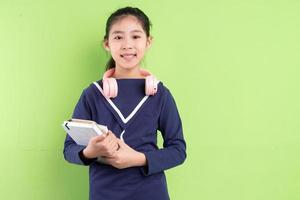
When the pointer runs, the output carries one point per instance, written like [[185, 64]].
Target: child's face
[[127, 42]]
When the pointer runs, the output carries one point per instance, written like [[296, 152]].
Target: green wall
[[232, 66]]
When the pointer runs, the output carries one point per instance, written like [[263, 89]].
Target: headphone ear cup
[[151, 85], [147, 90], [105, 83], [155, 85], [114, 88], [110, 87]]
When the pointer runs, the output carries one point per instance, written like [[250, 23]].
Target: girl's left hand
[[126, 157]]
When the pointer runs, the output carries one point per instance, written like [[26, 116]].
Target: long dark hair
[[118, 14]]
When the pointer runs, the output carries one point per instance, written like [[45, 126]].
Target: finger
[[111, 136], [111, 133], [112, 146], [106, 134], [120, 142], [99, 138], [111, 140], [116, 147], [108, 146]]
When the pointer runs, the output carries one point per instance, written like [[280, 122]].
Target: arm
[[73, 152], [174, 151], [126, 157]]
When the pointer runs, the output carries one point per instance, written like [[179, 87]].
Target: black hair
[[120, 13]]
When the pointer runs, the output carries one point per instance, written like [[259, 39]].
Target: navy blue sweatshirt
[[135, 118]]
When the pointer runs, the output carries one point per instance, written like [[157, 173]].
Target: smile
[[128, 55]]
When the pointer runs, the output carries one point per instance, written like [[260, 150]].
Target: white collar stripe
[[125, 120]]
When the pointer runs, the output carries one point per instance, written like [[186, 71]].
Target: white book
[[81, 131]]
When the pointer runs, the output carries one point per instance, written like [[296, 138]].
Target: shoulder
[[91, 89], [163, 91], [168, 100]]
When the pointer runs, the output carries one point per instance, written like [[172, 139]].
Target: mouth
[[128, 55]]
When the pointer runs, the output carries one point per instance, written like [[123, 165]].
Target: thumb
[[99, 138]]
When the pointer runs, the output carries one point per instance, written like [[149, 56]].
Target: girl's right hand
[[102, 145]]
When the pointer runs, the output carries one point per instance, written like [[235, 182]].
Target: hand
[[126, 157], [102, 145]]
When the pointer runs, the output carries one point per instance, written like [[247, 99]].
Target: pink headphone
[[110, 86]]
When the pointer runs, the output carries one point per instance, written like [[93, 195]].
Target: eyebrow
[[134, 31]]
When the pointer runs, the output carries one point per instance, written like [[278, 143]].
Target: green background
[[232, 66]]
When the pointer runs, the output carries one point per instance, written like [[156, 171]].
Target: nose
[[127, 44]]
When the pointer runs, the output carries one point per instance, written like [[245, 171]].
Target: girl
[[126, 163]]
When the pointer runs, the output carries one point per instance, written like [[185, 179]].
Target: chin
[[128, 66]]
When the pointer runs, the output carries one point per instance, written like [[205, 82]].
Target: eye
[[118, 37], [136, 37]]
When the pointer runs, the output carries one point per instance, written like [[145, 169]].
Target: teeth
[[128, 57], [128, 54]]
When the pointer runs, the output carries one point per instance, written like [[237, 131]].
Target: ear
[[149, 42], [106, 45]]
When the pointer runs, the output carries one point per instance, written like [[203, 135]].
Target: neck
[[127, 73]]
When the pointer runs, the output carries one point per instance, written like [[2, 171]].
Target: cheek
[[114, 50], [141, 55], [114, 45], [142, 48]]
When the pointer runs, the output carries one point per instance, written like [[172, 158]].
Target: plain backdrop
[[232, 66]]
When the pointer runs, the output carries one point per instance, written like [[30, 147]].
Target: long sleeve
[[72, 151], [173, 152]]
